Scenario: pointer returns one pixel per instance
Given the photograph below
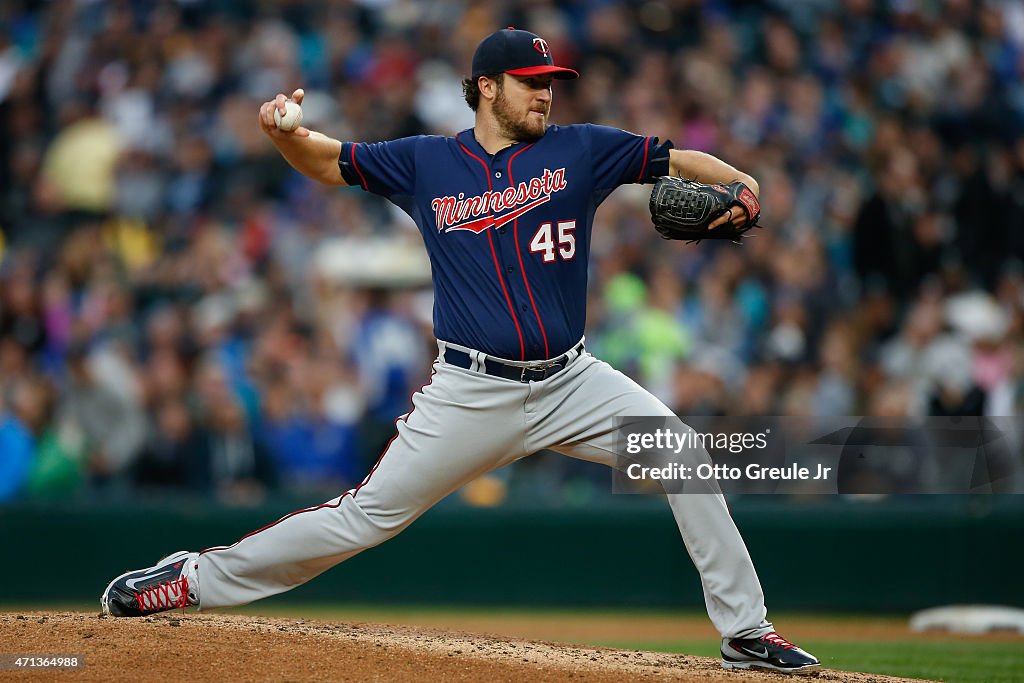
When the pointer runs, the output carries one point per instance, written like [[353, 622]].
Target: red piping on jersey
[[519, 253], [354, 164], [508, 299], [351, 492], [643, 166], [494, 255]]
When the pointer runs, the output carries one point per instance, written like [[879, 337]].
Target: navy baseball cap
[[516, 52]]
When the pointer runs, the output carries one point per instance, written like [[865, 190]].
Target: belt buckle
[[543, 369]]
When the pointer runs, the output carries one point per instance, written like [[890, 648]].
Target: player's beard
[[514, 127]]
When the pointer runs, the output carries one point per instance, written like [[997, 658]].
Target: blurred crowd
[[169, 319]]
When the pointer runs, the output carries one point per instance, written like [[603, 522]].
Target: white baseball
[[292, 116]]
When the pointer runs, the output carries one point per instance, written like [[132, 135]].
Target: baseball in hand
[[292, 116]]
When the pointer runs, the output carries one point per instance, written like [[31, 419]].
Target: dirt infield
[[200, 648]]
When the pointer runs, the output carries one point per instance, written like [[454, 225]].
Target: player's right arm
[[312, 154]]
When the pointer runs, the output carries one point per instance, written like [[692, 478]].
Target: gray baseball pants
[[464, 424]]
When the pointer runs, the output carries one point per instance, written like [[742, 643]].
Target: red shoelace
[[164, 596], [774, 638]]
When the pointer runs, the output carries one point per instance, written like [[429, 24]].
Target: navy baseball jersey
[[508, 235]]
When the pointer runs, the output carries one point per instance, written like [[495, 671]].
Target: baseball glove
[[683, 209]]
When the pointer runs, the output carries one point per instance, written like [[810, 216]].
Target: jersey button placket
[[507, 252]]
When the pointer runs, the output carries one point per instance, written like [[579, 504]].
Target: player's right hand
[[267, 116]]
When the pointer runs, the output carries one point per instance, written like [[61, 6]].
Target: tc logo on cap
[[540, 45]]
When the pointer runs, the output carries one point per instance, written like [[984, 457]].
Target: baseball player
[[505, 210]]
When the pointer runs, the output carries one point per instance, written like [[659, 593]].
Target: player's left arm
[[705, 168]]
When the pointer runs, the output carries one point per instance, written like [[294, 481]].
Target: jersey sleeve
[[619, 157], [385, 168]]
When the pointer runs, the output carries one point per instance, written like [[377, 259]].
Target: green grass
[[968, 661]]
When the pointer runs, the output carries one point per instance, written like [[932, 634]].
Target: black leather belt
[[494, 367]]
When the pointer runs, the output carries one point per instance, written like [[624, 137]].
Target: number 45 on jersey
[[544, 241]]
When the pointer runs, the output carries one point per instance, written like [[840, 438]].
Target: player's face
[[522, 106]]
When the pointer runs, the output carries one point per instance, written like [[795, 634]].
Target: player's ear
[[488, 86]]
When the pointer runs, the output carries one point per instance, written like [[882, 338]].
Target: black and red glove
[[683, 209]]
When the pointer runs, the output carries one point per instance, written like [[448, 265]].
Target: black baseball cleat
[[171, 583], [770, 651]]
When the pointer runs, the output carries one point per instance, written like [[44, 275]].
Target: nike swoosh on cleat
[[131, 583], [760, 654]]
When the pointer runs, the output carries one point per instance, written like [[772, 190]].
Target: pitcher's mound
[[201, 647]]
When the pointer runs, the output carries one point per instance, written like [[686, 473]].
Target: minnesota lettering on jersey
[[467, 213]]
